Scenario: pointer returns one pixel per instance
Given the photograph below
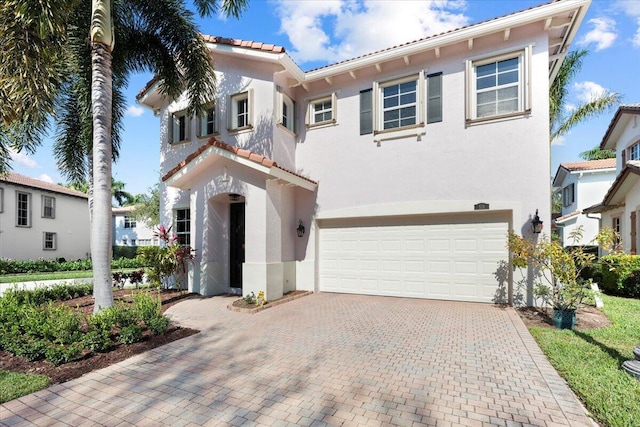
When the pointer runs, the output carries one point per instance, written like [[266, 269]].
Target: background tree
[[122, 197], [597, 154], [148, 207], [560, 121]]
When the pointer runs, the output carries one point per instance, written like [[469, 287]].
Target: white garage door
[[450, 258]]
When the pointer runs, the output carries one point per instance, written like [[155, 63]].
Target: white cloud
[[636, 37], [603, 33], [134, 111], [335, 30], [46, 178], [558, 140], [587, 91], [632, 9], [23, 159]]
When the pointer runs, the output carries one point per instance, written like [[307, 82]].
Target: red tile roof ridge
[[590, 165], [250, 44], [569, 215], [16, 178], [240, 152], [453, 30]]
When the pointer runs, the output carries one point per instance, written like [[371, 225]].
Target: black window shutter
[[366, 111], [434, 98]]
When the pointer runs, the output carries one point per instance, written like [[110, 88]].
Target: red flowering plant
[[168, 261]]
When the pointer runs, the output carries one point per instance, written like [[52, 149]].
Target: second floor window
[[23, 209], [240, 111], [568, 195], [399, 104], [179, 127], [129, 222], [207, 122], [48, 207], [634, 152], [288, 113]]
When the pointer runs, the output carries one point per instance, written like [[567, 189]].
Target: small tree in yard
[[166, 261]]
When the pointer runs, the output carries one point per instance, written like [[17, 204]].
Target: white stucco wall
[[71, 225], [141, 233]]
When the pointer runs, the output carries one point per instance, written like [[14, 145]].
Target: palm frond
[[597, 154], [587, 110]]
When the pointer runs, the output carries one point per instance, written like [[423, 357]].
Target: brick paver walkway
[[325, 359]]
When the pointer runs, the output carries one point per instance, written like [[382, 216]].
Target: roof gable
[[617, 124], [604, 165]]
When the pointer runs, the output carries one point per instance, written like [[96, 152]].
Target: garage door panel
[[423, 259]]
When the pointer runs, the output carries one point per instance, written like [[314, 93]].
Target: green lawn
[[591, 362], [57, 275], [13, 385]]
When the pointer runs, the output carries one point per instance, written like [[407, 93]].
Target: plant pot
[[564, 319]]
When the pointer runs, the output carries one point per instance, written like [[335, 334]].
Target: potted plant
[[558, 282]]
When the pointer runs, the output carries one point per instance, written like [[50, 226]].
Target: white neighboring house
[[127, 231], [582, 184], [620, 206], [42, 220], [395, 173]]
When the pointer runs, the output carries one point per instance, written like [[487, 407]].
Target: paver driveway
[[324, 359]]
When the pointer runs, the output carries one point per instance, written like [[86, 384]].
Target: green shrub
[[146, 306], [125, 252], [130, 334], [97, 340], [631, 285], [615, 271], [9, 266], [59, 354], [39, 296], [120, 263], [62, 325], [33, 349], [158, 325]]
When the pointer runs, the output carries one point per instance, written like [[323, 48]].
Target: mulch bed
[[587, 318], [118, 353]]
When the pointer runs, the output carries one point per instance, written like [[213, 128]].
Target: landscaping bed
[[90, 361], [587, 318]]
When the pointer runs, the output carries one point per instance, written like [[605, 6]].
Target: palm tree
[[560, 123], [156, 35], [117, 192], [597, 154]]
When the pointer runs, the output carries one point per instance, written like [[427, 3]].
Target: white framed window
[[498, 86], [129, 222], [124, 240], [23, 209], [286, 111], [133, 242], [240, 116], [1, 200], [398, 103], [183, 226], [634, 152], [179, 127], [322, 110], [207, 122], [49, 241], [48, 207], [568, 195]]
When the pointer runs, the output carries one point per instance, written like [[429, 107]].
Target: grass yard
[[56, 275], [14, 385], [591, 362]]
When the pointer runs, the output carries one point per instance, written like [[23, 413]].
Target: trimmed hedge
[[129, 252], [621, 275], [9, 266]]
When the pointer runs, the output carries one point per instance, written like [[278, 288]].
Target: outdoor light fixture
[[300, 229], [536, 224]]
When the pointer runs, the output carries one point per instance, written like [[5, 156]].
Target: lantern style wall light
[[536, 224], [300, 229]]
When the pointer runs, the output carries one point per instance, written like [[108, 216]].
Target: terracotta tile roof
[[247, 44], [622, 109], [632, 168], [429, 37], [590, 165], [25, 181], [240, 152], [122, 210], [567, 216]]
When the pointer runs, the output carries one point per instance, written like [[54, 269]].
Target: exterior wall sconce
[[300, 229], [536, 224]]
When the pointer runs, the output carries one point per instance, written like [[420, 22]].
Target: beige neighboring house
[[620, 205], [127, 231], [42, 220], [582, 184], [395, 173]]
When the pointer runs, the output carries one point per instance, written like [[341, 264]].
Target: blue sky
[[317, 33]]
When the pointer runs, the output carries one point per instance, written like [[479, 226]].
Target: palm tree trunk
[[101, 90]]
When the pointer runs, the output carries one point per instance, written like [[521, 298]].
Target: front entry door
[[236, 244]]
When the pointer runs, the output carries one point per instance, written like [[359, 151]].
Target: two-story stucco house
[[394, 173], [42, 220], [582, 184], [127, 231], [619, 207]]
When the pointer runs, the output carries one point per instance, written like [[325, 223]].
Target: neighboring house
[[582, 184], [394, 173], [127, 231], [42, 220], [619, 207]]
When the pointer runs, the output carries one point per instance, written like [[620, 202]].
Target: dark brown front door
[[634, 232], [236, 244]]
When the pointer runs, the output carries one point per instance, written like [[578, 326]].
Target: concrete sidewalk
[[324, 359]]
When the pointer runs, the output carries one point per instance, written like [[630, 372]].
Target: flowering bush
[[167, 260]]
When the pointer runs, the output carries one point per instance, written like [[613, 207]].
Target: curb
[[269, 304]]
